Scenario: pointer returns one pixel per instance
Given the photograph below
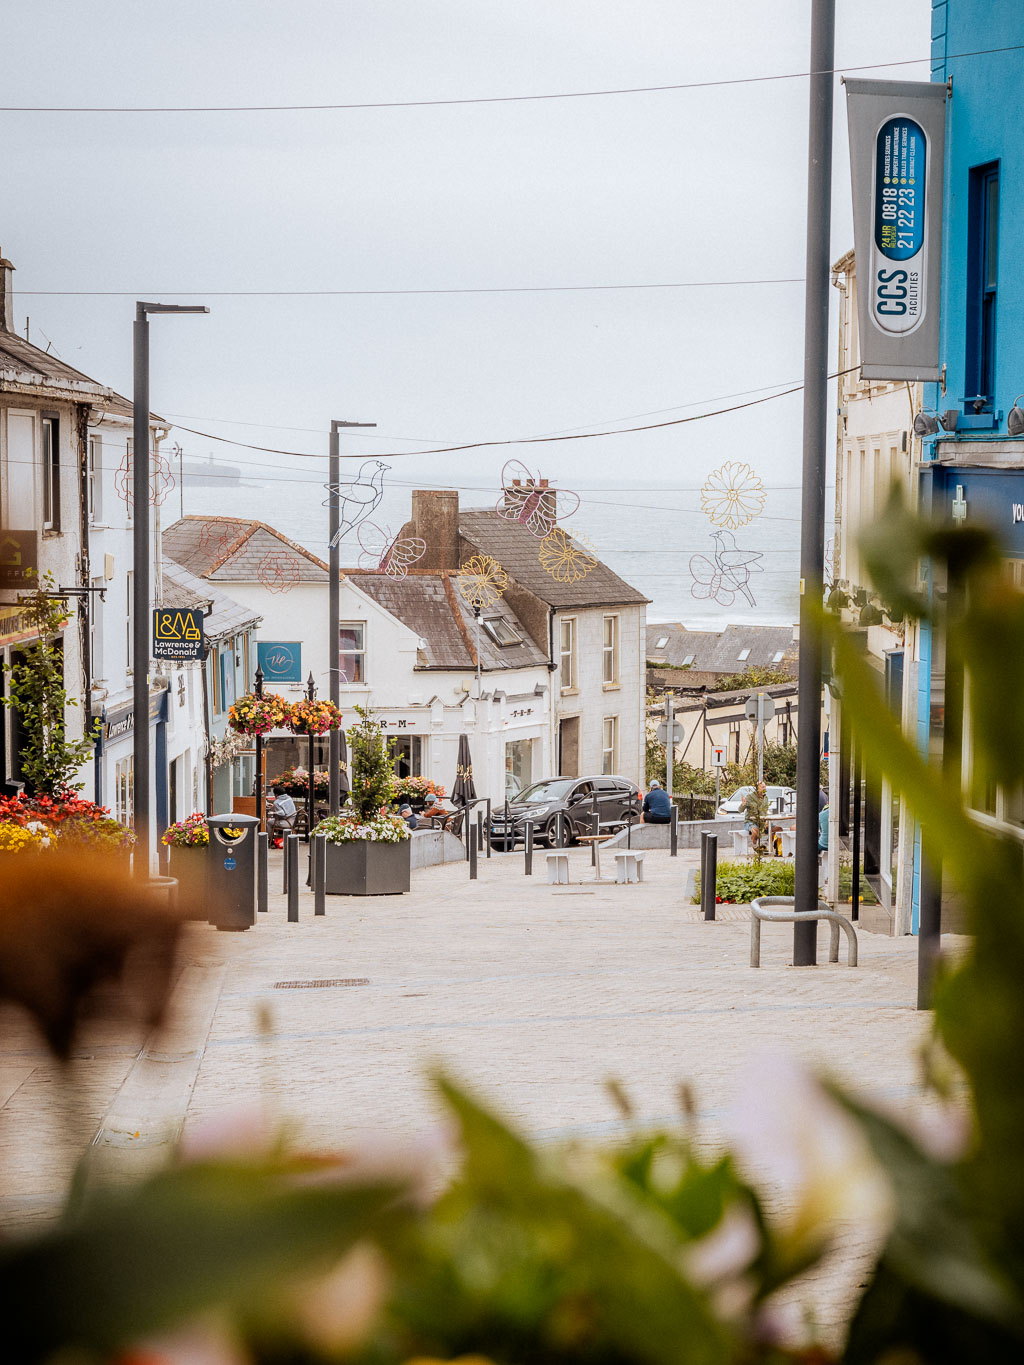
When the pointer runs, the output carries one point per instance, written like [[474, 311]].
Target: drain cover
[[322, 984]]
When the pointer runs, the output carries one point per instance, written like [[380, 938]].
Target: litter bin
[[231, 871]]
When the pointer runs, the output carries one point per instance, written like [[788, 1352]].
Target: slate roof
[[27, 368], [235, 549], [184, 589], [516, 549], [718, 651], [428, 603]]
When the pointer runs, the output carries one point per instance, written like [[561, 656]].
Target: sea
[[653, 535]]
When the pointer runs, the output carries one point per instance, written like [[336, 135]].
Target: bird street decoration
[[726, 575], [357, 498]]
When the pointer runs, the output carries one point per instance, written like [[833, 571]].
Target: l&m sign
[[178, 633]]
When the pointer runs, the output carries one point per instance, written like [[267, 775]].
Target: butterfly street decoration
[[357, 498], [387, 554], [527, 500], [481, 581], [726, 575]]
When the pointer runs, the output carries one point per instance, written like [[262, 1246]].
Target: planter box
[[188, 868], [367, 868]]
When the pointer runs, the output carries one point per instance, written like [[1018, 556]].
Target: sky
[[670, 187]]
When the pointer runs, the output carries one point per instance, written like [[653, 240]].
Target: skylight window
[[662, 642], [777, 658], [743, 655], [689, 660], [501, 630]]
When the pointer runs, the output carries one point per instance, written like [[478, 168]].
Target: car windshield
[[556, 789]]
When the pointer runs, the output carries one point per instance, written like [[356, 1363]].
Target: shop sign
[[280, 660], [407, 722], [121, 721], [19, 559], [16, 626], [178, 633]]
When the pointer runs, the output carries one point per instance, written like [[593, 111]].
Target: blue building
[[973, 467]]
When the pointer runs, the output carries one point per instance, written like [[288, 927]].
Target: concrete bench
[[629, 866], [558, 869], [779, 910], [740, 843], [788, 842]]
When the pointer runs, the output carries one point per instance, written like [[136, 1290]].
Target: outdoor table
[[597, 840]]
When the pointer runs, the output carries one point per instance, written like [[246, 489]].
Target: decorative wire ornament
[[161, 479], [732, 495], [527, 499], [278, 571], [215, 537], [357, 498], [388, 554], [566, 555], [481, 581], [727, 575]]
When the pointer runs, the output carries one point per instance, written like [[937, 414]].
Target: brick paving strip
[[532, 994]]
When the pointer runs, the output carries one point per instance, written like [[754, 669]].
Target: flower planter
[[188, 868], [368, 867]]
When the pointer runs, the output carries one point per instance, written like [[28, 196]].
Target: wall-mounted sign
[[410, 721], [896, 160], [177, 633], [16, 626], [120, 721], [989, 499], [19, 559], [280, 660]]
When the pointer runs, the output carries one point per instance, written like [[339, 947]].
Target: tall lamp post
[[258, 783], [334, 603], [311, 696], [141, 575]]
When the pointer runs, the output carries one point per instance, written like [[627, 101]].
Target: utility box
[[231, 871]]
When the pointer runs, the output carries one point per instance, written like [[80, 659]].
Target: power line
[[392, 293], [482, 99]]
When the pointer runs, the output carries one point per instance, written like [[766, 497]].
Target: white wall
[[593, 699]]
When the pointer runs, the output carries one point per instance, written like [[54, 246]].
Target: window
[[51, 474], [982, 272], [124, 790], [501, 630], [689, 660], [778, 656], [129, 617], [662, 642], [734, 741], [96, 630], [567, 656], [95, 482], [743, 655], [352, 652], [610, 744], [611, 651]]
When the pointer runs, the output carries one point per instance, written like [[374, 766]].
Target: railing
[[770, 908]]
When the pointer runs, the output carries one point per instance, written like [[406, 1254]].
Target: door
[[569, 747], [172, 792]]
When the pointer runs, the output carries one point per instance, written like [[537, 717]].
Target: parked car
[[614, 798], [512, 786], [782, 801]]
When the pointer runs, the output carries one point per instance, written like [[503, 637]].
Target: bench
[[629, 867], [558, 869], [779, 910], [741, 845]]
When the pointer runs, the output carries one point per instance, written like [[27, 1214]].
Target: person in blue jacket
[[657, 806]]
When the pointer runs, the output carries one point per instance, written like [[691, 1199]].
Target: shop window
[[352, 652]]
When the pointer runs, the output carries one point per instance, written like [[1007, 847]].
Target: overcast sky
[[651, 188]]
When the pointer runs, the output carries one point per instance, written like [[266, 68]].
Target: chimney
[[519, 491], [6, 295], [435, 519]]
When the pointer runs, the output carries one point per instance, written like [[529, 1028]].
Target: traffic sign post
[[718, 763], [760, 708], [670, 733]]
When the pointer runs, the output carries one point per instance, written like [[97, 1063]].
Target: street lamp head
[[172, 308]]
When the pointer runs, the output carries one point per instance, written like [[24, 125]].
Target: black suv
[[577, 798]]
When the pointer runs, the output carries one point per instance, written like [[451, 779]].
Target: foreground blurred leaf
[[190, 1239]]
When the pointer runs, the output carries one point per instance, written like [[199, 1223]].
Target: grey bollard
[[472, 853], [709, 879], [284, 866], [560, 829], [673, 832], [465, 826], [595, 829], [262, 869], [629, 828], [291, 857], [488, 844], [528, 850], [319, 874]]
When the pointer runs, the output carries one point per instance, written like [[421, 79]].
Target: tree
[[371, 764], [49, 760]]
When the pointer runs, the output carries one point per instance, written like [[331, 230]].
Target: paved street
[[534, 994]]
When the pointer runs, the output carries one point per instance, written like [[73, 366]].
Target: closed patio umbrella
[[345, 785], [464, 789]]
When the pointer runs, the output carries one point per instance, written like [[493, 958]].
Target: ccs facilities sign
[[896, 160]]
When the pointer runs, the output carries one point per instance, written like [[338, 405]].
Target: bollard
[[465, 826], [709, 880], [291, 857], [508, 828], [472, 853], [480, 830], [319, 874], [673, 832], [629, 828], [595, 829], [284, 867], [528, 850], [703, 862], [489, 827], [560, 830], [262, 869]]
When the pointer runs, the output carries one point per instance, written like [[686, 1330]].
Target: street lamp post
[[141, 575], [311, 696], [258, 791], [334, 603]]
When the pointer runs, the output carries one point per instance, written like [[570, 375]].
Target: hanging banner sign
[[897, 135], [178, 633]]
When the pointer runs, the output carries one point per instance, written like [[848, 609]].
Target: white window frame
[[95, 479], [49, 457], [124, 790], [356, 653], [610, 651], [96, 631], [609, 746], [568, 673]]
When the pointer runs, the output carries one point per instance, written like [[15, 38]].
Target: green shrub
[[742, 882]]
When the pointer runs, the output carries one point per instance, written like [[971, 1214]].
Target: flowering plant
[[71, 818], [192, 832], [252, 715], [314, 717], [418, 788], [382, 828], [22, 839]]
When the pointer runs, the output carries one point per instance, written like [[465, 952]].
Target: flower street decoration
[[161, 479], [357, 498], [65, 820], [383, 828], [727, 575], [566, 556], [527, 499], [732, 495], [227, 748], [252, 715], [314, 717], [215, 537], [192, 832], [278, 571], [387, 554], [481, 581]]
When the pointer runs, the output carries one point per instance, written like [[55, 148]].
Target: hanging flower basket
[[252, 715], [314, 717], [192, 832]]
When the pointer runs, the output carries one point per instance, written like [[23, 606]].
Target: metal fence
[[693, 807]]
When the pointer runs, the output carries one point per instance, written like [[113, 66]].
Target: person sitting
[[657, 805], [406, 812], [439, 812], [280, 816]]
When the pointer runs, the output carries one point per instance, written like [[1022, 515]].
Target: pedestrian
[[406, 812], [822, 799], [657, 809], [280, 816]]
